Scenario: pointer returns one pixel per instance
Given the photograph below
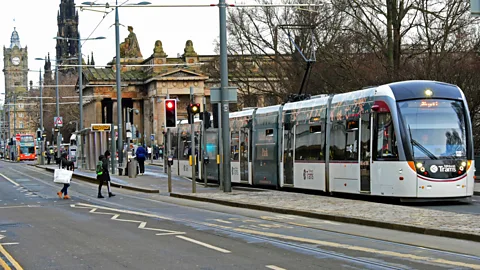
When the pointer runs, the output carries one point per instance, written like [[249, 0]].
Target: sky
[[36, 24]]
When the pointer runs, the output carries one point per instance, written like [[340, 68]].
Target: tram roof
[[306, 103], [242, 113], [269, 109]]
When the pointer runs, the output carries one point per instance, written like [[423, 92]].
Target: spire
[[15, 39], [88, 59], [92, 62]]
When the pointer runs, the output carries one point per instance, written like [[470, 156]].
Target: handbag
[[62, 176]]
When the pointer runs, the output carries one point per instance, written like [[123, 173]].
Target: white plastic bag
[[62, 176]]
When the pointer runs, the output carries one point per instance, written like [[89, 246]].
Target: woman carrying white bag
[[63, 176]]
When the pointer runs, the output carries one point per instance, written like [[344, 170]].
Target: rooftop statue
[[189, 51], [158, 50], [130, 48]]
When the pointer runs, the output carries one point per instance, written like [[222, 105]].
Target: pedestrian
[[103, 175], [69, 165], [141, 153], [66, 163]]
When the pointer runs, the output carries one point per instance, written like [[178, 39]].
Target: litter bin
[[132, 168]]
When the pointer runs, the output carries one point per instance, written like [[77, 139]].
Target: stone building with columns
[[145, 84]]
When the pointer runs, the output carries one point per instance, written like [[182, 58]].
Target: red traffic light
[[170, 104]]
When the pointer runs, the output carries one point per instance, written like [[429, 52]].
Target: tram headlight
[[428, 92], [461, 168], [419, 165], [422, 169], [463, 164]]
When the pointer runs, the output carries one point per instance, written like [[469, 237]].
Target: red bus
[[26, 147]]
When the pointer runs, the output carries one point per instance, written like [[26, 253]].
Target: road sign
[[17, 137], [101, 127], [58, 121], [152, 137]]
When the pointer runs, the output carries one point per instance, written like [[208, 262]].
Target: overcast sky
[[36, 24]]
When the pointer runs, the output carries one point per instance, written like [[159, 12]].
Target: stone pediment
[[181, 73]]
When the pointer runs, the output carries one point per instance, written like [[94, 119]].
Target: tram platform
[[356, 211]]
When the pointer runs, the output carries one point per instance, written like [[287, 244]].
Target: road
[[148, 231]]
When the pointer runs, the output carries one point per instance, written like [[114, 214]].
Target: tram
[[410, 139]]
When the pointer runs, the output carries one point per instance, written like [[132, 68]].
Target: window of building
[[20, 115], [386, 142], [20, 125], [309, 142]]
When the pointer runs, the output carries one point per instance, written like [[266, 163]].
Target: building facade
[[15, 62], [146, 83]]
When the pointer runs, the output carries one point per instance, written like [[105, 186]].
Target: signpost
[[58, 121]]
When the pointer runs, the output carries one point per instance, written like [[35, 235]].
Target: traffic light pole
[[222, 6], [204, 142], [191, 115]]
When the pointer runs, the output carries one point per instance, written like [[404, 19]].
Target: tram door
[[365, 154], [244, 153], [211, 151], [288, 154]]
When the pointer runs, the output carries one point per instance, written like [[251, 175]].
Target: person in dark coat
[[141, 154], [68, 164], [105, 175]]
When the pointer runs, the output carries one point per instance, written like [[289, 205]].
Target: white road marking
[[221, 220], [142, 224], [2, 236], [19, 206], [203, 244], [86, 205], [10, 180], [9, 244], [274, 267]]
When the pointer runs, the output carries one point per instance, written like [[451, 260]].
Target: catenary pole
[[225, 161]]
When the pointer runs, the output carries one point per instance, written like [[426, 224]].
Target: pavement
[[355, 211]]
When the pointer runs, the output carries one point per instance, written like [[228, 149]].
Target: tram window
[[269, 132], [309, 143], [234, 143], [338, 139], [386, 142], [351, 149]]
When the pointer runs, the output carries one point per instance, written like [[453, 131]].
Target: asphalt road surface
[[149, 231]]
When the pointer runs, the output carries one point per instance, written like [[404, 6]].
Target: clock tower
[[15, 69]]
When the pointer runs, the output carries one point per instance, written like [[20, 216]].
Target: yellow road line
[[4, 265], [10, 180], [10, 258]]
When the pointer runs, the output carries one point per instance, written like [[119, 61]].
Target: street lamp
[[57, 96]]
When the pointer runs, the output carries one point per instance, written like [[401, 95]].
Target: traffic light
[[192, 109], [170, 113], [205, 117], [215, 115], [39, 134]]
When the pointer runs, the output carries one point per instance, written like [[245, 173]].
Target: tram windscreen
[[436, 128]]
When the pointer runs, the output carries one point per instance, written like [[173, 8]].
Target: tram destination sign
[[101, 127]]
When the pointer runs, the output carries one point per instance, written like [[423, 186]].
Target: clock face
[[15, 61]]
